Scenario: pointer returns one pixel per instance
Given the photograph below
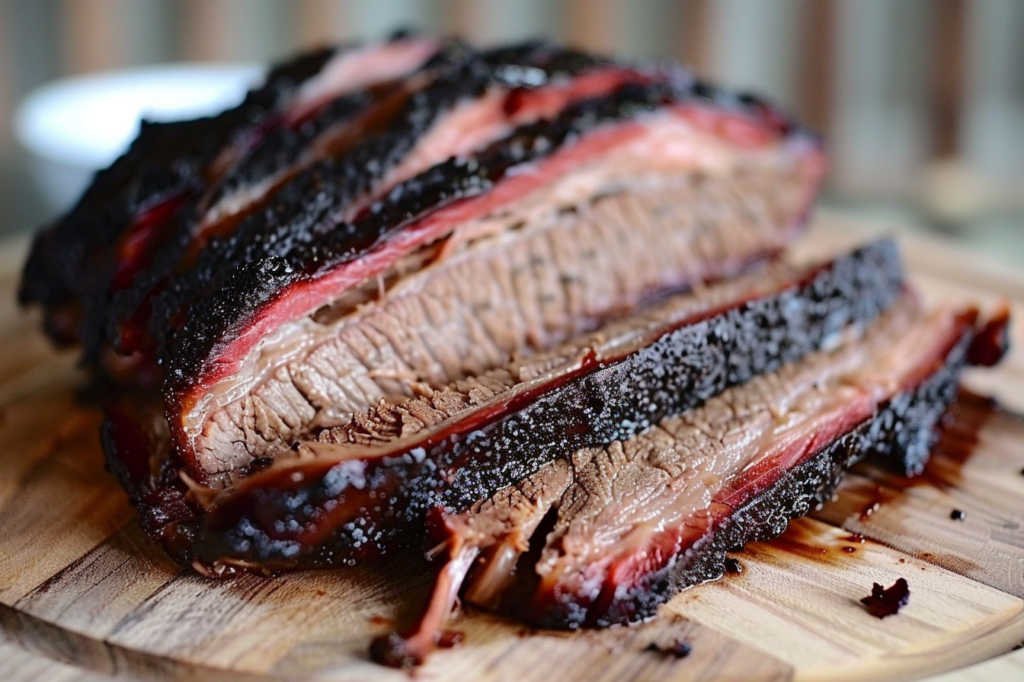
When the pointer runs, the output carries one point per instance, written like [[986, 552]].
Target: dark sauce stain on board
[[963, 421], [881, 495], [956, 563], [883, 602], [802, 542], [796, 540], [959, 438], [733, 566]]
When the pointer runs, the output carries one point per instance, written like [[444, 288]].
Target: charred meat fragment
[[677, 648], [887, 601]]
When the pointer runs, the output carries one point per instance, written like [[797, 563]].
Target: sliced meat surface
[[636, 505], [309, 273], [454, 446], [623, 527], [568, 263]]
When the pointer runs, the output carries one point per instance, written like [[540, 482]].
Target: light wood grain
[[1009, 667], [798, 597], [988, 544], [18, 664], [81, 588]]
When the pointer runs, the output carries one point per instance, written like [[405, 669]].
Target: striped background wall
[[897, 85]]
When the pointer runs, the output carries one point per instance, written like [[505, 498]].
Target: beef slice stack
[[526, 309]]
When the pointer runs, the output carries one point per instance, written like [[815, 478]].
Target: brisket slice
[[330, 294], [364, 490], [617, 530]]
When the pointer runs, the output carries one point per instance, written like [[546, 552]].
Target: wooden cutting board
[[83, 590]]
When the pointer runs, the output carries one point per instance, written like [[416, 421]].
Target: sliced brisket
[[364, 487], [638, 520], [433, 227], [597, 187], [394, 130], [526, 304]]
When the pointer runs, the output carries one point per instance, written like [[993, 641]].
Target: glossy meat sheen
[[596, 398]]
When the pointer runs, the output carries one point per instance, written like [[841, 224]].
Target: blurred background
[[921, 101]]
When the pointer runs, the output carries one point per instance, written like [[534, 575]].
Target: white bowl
[[74, 127]]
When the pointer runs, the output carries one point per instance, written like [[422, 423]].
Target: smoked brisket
[[527, 309], [363, 490], [605, 535]]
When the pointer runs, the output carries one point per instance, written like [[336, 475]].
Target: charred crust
[[883, 601], [303, 212], [72, 265], [300, 225]]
